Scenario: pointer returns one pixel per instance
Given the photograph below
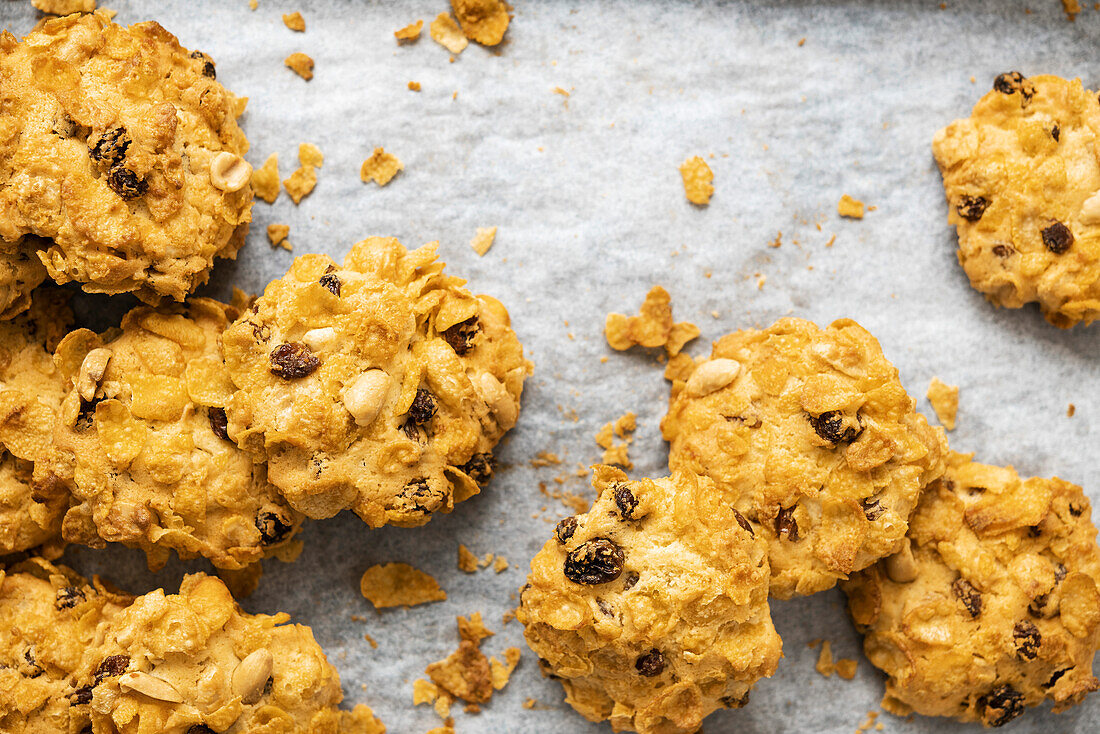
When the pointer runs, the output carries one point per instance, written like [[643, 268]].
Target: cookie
[[652, 607], [810, 435], [1022, 178], [992, 604], [31, 390], [20, 273], [141, 444], [380, 385], [83, 657], [120, 147]]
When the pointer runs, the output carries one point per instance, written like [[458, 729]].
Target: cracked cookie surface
[[122, 149], [652, 607], [380, 385], [992, 605], [810, 434], [1022, 179], [142, 447], [80, 656]]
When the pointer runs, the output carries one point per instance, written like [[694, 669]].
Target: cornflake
[[302, 182], [399, 585], [294, 21], [473, 629], [697, 180], [64, 7], [445, 31], [945, 401], [652, 327], [467, 561], [414, 86], [265, 179], [277, 234], [381, 167], [849, 207], [483, 240], [409, 33], [300, 64], [615, 453], [484, 21]]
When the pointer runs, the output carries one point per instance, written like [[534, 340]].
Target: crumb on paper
[[802, 42], [300, 64], [849, 207], [310, 155], [484, 21], [409, 33], [869, 723], [545, 458], [64, 7], [652, 327], [483, 240], [467, 561], [301, 183], [824, 664], [371, 641], [381, 167], [1072, 8], [507, 617], [530, 703], [846, 668], [399, 585], [414, 86], [831, 242], [679, 367], [945, 401], [424, 692], [499, 671], [242, 582], [463, 674], [265, 179], [1071, 410], [500, 564], [294, 21], [253, 4], [559, 90], [473, 629], [445, 31], [617, 453], [697, 180], [277, 234]]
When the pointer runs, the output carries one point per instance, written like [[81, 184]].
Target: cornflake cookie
[[992, 604], [810, 435], [20, 273], [120, 147], [652, 608], [1022, 178], [31, 390], [380, 386], [141, 444], [82, 657]]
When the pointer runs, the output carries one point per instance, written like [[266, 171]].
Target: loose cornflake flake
[[697, 180], [277, 234], [409, 33], [484, 21], [302, 182], [617, 453], [849, 207], [944, 399], [414, 86], [381, 167], [483, 240], [445, 31], [265, 179], [64, 7], [467, 561], [399, 585], [294, 21], [652, 327], [300, 64]]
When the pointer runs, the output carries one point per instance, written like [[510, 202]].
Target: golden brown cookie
[[652, 607], [20, 273], [142, 445], [810, 435], [120, 147], [81, 657], [992, 605], [380, 386], [1022, 178]]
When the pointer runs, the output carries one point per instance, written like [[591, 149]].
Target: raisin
[[81, 695], [626, 502], [1027, 638], [743, 522], [422, 408], [630, 580], [1056, 133], [34, 669], [411, 430], [1075, 509], [1034, 531], [479, 468], [834, 427], [651, 663], [207, 64], [331, 282], [565, 529], [597, 561], [218, 422], [112, 666], [418, 493], [1001, 705], [1010, 82], [126, 183], [785, 524], [1057, 238], [971, 208], [69, 597], [1003, 250], [293, 360], [1056, 677], [461, 334], [734, 703], [86, 413], [872, 510], [970, 597], [110, 150], [273, 528]]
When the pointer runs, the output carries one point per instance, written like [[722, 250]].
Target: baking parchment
[[591, 212]]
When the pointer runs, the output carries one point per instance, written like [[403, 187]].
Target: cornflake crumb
[[301, 183], [265, 179], [1072, 8], [846, 668], [300, 64], [64, 7], [559, 90], [277, 234], [617, 453], [381, 167], [294, 21], [530, 703], [473, 629], [467, 561], [483, 240], [697, 180], [484, 21], [445, 31], [545, 458], [1071, 410], [778, 241], [652, 327], [414, 86], [399, 585], [409, 33], [849, 207], [500, 564], [253, 4], [869, 723], [945, 401], [824, 664], [373, 642], [310, 155]]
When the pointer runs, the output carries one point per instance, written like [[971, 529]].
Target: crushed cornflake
[[559, 90], [265, 179], [500, 564], [944, 399], [849, 207], [473, 629], [826, 666], [441, 730], [64, 7], [373, 642], [399, 585], [467, 561], [697, 180], [1071, 410], [652, 327], [484, 21], [302, 182], [414, 86], [483, 240], [1072, 8], [253, 4], [466, 673], [294, 21], [445, 31], [615, 453], [310, 155], [409, 33], [300, 64], [381, 167], [846, 668], [500, 672], [243, 581], [869, 723], [545, 458], [277, 234]]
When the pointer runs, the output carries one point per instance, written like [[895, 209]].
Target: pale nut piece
[[250, 676], [229, 172], [901, 567], [91, 372], [1090, 210], [365, 396], [148, 685], [498, 400], [712, 375], [318, 339]]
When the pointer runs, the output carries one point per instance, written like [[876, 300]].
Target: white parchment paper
[[591, 213]]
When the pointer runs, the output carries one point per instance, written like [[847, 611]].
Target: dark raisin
[[422, 408], [126, 183], [110, 150], [630, 580], [218, 422], [785, 524], [479, 468], [872, 510], [971, 208], [34, 669], [69, 597], [1034, 531], [731, 702], [1027, 638], [418, 493], [273, 528], [461, 334], [1075, 509], [1057, 238], [331, 283], [86, 413], [651, 663], [597, 561], [970, 597], [410, 429], [207, 64], [1009, 83], [1056, 133], [1001, 705], [81, 695], [293, 360], [565, 529], [834, 427], [626, 502], [743, 522], [112, 666], [1003, 250], [1056, 677]]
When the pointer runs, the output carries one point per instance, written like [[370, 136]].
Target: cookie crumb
[[652, 327], [697, 178], [545, 458], [464, 674], [381, 167], [869, 723], [500, 672], [64, 7], [530, 703], [414, 86], [277, 234], [253, 4], [484, 21], [399, 585], [483, 240], [801, 42], [849, 207], [445, 31], [500, 564], [846, 668], [300, 64], [559, 90], [409, 33], [373, 642], [824, 664], [778, 241], [467, 561], [1071, 410], [944, 399], [265, 179], [1072, 8], [617, 453], [473, 629], [301, 183], [294, 21]]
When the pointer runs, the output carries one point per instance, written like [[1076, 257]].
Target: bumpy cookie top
[[1022, 178], [31, 389], [810, 434], [381, 385], [652, 608], [142, 443], [20, 273], [992, 605], [80, 657], [122, 148]]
